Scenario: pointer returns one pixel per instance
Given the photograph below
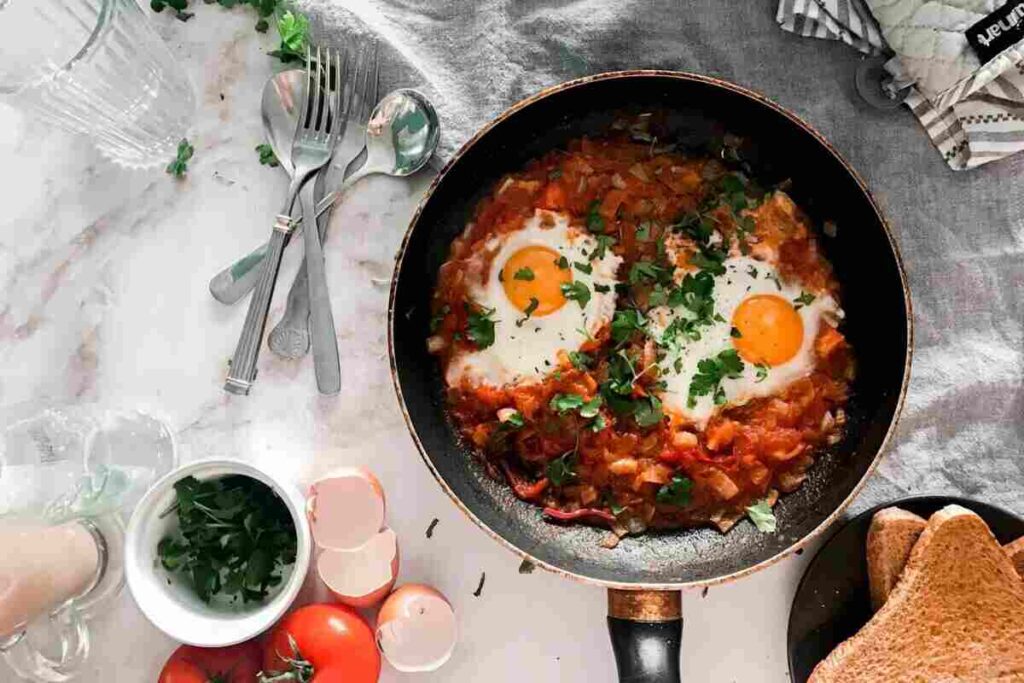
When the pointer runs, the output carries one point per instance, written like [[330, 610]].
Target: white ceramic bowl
[[168, 602]]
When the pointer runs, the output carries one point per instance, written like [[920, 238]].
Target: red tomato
[[235, 664], [332, 639]]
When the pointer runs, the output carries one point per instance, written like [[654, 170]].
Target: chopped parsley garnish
[[580, 360], [514, 419], [267, 156], [480, 327], [762, 372], [562, 469], [643, 231], [711, 372], [805, 299], [735, 333], [609, 500], [602, 289], [625, 322], [711, 260], [761, 515], [676, 492], [617, 390], [576, 291], [565, 402], [752, 272], [775, 279], [658, 296], [588, 410], [584, 268], [525, 274], [647, 411], [604, 243], [562, 263], [179, 167], [530, 308], [645, 270], [438, 318], [595, 222], [555, 174]]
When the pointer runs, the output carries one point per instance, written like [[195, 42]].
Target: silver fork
[[317, 131], [290, 337]]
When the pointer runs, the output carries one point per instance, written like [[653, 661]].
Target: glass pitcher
[[68, 475]]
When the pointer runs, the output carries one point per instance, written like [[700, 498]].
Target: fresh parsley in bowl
[[217, 551], [235, 537]]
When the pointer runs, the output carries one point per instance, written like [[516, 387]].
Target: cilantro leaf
[[805, 299], [604, 243], [676, 492], [514, 419], [647, 411], [576, 291], [179, 166], [293, 28], [530, 308], [267, 156], [601, 289], [561, 470], [762, 372], [711, 372], [645, 270], [565, 402], [562, 263], [579, 360], [595, 222], [710, 260], [480, 327], [625, 322], [584, 268], [761, 515], [589, 410], [525, 274]]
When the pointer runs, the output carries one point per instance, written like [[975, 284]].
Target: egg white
[[743, 277], [529, 351]]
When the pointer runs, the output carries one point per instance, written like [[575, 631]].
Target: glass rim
[[102, 21]]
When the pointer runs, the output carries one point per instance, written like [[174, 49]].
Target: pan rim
[[759, 99]]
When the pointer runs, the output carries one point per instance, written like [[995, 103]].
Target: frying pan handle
[[647, 632]]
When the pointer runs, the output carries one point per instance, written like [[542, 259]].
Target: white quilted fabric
[[929, 40]]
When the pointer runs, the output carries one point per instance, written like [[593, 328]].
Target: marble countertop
[[103, 297]]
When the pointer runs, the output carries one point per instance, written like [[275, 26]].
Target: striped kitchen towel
[[983, 126]]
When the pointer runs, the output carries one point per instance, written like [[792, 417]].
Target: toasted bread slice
[[1016, 552], [957, 614], [891, 536]]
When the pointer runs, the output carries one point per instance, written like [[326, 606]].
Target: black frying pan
[[644, 574]]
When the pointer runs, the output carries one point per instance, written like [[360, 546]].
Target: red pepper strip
[[528, 491], [585, 515]]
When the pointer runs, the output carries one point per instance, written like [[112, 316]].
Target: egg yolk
[[771, 331], [534, 273]]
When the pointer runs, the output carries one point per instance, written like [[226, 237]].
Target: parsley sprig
[[710, 373], [676, 492], [179, 167], [480, 327]]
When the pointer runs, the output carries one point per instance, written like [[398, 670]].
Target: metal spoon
[[280, 105], [401, 136]]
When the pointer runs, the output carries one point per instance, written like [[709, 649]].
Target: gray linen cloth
[[962, 235]]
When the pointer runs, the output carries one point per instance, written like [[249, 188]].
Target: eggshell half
[[345, 509], [416, 629], [364, 576]]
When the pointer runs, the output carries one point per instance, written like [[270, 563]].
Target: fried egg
[[549, 289], [769, 324]]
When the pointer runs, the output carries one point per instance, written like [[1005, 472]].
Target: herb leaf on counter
[[179, 166], [234, 535], [267, 156]]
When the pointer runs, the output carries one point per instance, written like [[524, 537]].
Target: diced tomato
[[553, 197]]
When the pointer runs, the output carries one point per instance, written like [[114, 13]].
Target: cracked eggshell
[[345, 509], [361, 577], [416, 629]]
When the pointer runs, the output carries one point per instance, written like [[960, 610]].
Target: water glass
[[96, 67]]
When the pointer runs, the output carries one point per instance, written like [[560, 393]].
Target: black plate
[[832, 602]]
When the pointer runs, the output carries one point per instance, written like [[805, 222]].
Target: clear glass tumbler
[[96, 67]]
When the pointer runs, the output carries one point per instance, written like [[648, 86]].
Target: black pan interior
[[864, 257]]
